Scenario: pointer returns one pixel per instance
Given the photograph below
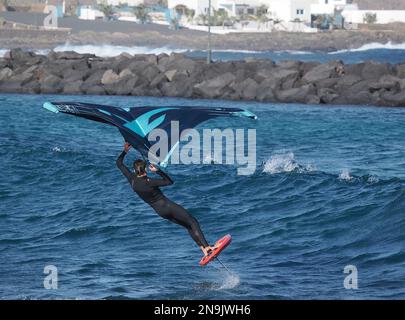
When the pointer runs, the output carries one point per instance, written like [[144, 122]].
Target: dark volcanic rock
[[373, 70], [214, 88], [296, 95], [177, 75], [323, 71]]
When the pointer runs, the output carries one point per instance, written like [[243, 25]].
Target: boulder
[[394, 99], [322, 71], [327, 95], [170, 74], [109, 77], [73, 87], [402, 84], [296, 95], [150, 73], [126, 73], [246, 90], [140, 90], [69, 55], [51, 84], [313, 99], [121, 63], [346, 82], [357, 87], [361, 97], [95, 90], [94, 78], [181, 88], [71, 75], [138, 66], [214, 87], [184, 64], [374, 70], [20, 55], [355, 69], [158, 81], [277, 78], [386, 82], [289, 64], [308, 65], [400, 70], [126, 85], [5, 73], [32, 87]]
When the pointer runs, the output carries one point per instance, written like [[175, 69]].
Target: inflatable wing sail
[[136, 123]]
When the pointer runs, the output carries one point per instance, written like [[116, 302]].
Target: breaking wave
[[374, 46]]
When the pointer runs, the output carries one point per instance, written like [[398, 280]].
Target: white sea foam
[[230, 281], [373, 46], [278, 163], [345, 175], [112, 51], [295, 52]]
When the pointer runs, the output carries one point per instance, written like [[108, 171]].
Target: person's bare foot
[[208, 249]]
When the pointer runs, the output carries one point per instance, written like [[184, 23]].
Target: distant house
[[291, 10], [238, 7], [393, 12], [88, 10]]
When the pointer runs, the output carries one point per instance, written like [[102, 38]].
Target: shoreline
[[84, 32], [177, 75]]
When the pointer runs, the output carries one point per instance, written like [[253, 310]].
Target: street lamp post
[[209, 33]]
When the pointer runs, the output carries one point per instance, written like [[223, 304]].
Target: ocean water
[[328, 192]]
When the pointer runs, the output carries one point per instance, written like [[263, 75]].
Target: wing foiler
[[136, 123]]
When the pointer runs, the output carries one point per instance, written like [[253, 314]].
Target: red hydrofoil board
[[221, 244]]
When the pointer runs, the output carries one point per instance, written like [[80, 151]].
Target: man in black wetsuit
[[148, 190]]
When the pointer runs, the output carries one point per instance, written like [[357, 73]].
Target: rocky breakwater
[[176, 75]]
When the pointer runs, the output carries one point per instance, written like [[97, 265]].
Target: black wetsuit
[[148, 190]]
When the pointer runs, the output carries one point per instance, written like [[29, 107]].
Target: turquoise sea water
[[328, 191]]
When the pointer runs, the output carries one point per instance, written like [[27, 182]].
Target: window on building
[[251, 11], [326, 1], [300, 11]]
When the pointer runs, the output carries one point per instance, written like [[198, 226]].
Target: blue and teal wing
[[136, 123]]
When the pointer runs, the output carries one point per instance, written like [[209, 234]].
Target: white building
[[290, 10], [393, 12], [382, 16], [238, 7]]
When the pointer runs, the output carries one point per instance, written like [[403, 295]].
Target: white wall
[[280, 9], [286, 10], [300, 5], [89, 14], [383, 16]]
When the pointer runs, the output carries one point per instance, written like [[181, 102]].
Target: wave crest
[[284, 162], [373, 46]]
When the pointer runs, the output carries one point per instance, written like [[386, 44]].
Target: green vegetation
[[370, 18], [107, 10], [141, 12]]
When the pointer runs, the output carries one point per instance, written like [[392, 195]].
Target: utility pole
[[209, 33]]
